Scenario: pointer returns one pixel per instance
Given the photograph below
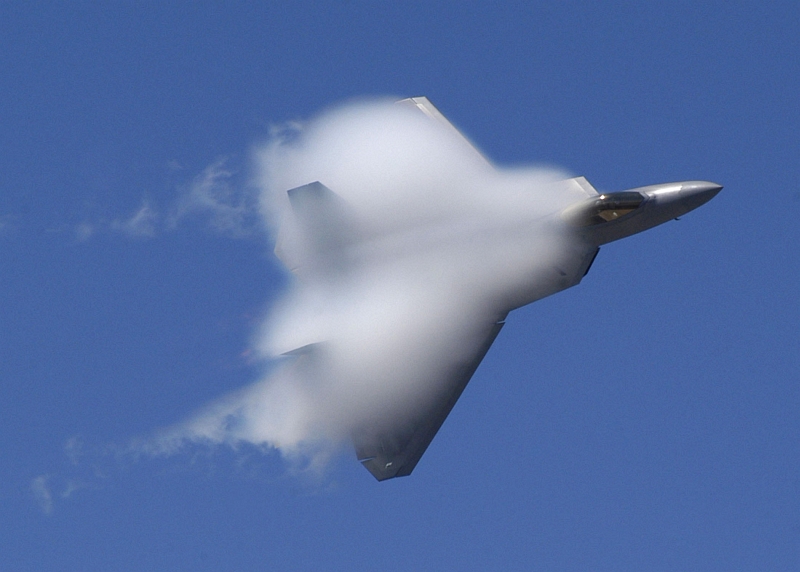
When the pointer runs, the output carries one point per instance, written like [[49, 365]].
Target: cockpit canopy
[[604, 208]]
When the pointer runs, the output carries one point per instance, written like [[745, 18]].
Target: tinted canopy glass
[[609, 207]]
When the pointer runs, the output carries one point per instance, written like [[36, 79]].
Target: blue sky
[[645, 420]]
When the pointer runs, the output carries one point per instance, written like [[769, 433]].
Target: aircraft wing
[[389, 452], [578, 187], [424, 105]]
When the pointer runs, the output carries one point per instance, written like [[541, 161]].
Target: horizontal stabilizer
[[303, 350]]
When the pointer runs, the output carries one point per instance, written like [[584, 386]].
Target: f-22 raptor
[[592, 220]]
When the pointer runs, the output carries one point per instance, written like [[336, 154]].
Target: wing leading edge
[[389, 453], [424, 105]]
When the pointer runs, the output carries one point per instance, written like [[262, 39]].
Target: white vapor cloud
[[212, 197], [230, 210], [141, 224], [84, 231], [45, 490], [392, 283], [41, 492]]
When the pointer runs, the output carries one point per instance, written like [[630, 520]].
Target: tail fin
[[323, 222]]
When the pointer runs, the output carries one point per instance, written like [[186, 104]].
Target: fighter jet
[[592, 220]]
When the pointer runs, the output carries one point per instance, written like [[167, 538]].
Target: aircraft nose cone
[[696, 193]]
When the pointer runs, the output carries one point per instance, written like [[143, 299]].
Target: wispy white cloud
[[215, 197], [41, 492], [71, 487], [73, 449], [45, 492], [142, 224], [230, 209], [84, 231]]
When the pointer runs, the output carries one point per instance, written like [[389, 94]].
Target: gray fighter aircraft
[[594, 219]]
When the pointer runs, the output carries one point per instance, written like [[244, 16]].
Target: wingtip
[[380, 470]]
